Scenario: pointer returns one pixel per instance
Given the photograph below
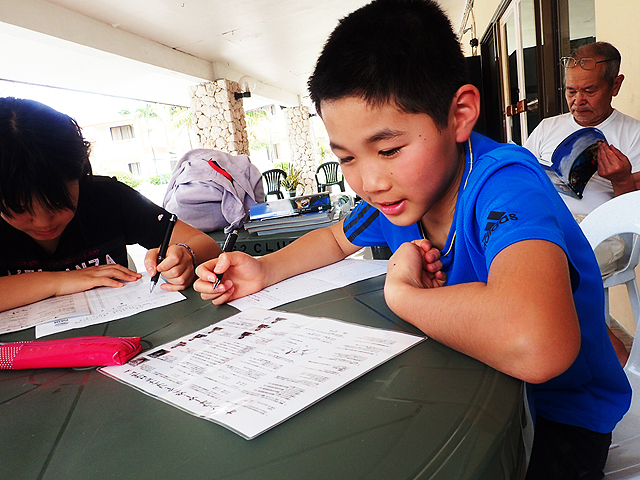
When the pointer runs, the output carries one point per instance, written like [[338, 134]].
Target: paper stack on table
[[58, 314]]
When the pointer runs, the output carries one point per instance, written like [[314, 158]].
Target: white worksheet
[[77, 310], [258, 368], [311, 283], [108, 304], [54, 308]]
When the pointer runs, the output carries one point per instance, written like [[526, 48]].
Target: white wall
[[483, 11], [618, 22]]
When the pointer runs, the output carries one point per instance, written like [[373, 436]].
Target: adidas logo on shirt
[[495, 219]]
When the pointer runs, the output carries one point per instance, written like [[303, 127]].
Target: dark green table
[[430, 412], [256, 245]]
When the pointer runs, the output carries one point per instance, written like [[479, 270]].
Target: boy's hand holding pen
[[246, 275]]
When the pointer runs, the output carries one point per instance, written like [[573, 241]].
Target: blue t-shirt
[[505, 197]]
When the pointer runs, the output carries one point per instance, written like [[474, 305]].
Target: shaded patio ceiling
[[153, 49]]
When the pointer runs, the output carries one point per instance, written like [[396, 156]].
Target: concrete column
[[302, 149], [219, 118]]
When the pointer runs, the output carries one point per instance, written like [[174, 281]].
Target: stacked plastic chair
[[621, 215], [327, 174], [273, 179]]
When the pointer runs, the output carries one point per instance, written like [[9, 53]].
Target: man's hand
[[615, 167]]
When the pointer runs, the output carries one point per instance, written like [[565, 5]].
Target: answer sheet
[[317, 281], [108, 304], [254, 370], [58, 314], [53, 308]]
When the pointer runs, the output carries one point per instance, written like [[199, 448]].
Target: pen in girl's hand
[[163, 250], [227, 247]]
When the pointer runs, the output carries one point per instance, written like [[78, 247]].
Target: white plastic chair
[[619, 216], [626, 275]]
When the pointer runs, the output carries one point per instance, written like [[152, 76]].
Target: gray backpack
[[213, 190]]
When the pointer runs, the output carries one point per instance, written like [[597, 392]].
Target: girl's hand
[[176, 268], [75, 281]]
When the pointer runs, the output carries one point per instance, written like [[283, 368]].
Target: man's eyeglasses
[[585, 63]]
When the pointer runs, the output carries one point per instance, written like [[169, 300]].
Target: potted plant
[[294, 178]]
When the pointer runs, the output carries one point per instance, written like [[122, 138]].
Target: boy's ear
[[465, 110]]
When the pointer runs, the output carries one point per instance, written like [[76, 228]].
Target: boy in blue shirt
[[487, 259]]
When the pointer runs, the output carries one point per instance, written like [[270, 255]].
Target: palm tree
[[180, 118], [146, 113], [256, 130]]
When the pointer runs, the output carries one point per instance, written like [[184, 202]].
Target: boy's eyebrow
[[384, 134]]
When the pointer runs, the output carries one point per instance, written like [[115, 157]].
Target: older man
[[592, 79]]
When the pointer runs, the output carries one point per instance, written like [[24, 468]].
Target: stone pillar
[[219, 118], [300, 141]]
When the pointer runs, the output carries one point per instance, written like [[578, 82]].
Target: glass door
[[519, 70]]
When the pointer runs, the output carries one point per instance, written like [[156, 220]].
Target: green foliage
[[257, 129], [125, 178], [146, 112], [134, 182], [294, 175], [323, 150], [255, 117], [282, 166], [180, 117], [159, 179]]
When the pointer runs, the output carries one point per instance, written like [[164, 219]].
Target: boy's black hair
[[393, 51], [41, 150]]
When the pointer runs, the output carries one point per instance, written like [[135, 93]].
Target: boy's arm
[[318, 248], [244, 274], [26, 288], [521, 322], [177, 267]]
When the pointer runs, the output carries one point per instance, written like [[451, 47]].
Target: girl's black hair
[[41, 150]]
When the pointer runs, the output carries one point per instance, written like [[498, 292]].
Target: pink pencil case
[[70, 352]]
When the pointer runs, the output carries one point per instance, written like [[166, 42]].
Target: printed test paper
[[258, 368]]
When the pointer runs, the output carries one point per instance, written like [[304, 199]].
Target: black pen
[[163, 250], [227, 247]]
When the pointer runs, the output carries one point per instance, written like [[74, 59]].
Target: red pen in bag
[[219, 169]]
